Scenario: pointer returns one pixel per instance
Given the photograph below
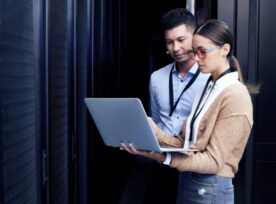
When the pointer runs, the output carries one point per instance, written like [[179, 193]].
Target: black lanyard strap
[[173, 106], [196, 113]]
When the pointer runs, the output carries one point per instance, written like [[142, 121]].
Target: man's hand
[[152, 155]]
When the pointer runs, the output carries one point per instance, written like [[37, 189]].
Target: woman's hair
[[218, 32]]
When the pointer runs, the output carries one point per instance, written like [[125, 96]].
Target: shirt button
[[177, 117]]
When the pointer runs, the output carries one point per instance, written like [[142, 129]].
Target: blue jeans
[[197, 188]]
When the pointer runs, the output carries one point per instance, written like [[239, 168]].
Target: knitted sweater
[[221, 138]]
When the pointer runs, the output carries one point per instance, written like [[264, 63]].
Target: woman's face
[[209, 56]]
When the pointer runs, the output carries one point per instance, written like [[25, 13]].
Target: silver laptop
[[124, 120]]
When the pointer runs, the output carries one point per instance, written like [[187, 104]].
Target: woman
[[218, 126]]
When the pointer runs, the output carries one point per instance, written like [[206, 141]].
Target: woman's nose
[[196, 57]]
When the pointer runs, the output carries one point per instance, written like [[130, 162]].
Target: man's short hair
[[176, 17]]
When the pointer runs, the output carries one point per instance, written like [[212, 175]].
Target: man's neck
[[184, 67]]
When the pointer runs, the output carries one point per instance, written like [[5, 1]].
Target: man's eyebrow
[[183, 36]]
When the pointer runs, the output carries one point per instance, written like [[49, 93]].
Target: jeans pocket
[[203, 187], [197, 189], [229, 195]]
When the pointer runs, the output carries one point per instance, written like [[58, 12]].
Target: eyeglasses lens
[[200, 53]]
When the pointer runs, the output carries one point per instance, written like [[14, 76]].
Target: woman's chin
[[203, 69]]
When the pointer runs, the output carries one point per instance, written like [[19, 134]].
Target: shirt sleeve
[[154, 109]]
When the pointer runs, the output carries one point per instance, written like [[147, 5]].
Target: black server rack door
[[60, 90], [18, 174], [265, 140]]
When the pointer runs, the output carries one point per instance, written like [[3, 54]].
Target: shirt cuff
[[168, 158]]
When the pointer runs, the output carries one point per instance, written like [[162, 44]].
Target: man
[[172, 91]]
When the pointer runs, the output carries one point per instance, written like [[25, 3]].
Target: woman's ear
[[225, 49]]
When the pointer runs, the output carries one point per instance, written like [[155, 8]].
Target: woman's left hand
[[153, 155], [154, 127]]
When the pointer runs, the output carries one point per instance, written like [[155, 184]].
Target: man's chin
[[183, 60]]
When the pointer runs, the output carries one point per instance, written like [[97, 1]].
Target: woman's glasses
[[200, 52]]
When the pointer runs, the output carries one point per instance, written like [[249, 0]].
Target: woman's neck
[[219, 71]]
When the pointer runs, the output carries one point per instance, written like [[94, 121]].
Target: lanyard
[[173, 106], [196, 113]]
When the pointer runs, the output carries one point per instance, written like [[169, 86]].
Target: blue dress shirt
[[160, 97]]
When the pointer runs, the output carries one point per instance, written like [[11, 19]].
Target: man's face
[[178, 40]]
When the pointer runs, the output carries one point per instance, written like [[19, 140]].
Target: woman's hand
[[152, 155], [153, 125]]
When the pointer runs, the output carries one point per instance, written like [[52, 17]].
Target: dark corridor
[[54, 53]]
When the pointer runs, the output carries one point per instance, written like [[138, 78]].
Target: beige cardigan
[[223, 133]]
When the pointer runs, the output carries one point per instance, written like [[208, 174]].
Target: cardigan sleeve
[[229, 133], [166, 140]]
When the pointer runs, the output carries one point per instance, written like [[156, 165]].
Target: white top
[[221, 84]]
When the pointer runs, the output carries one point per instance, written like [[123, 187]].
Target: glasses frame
[[202, 53]]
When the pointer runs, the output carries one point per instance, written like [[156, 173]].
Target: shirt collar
[[192, 70]]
